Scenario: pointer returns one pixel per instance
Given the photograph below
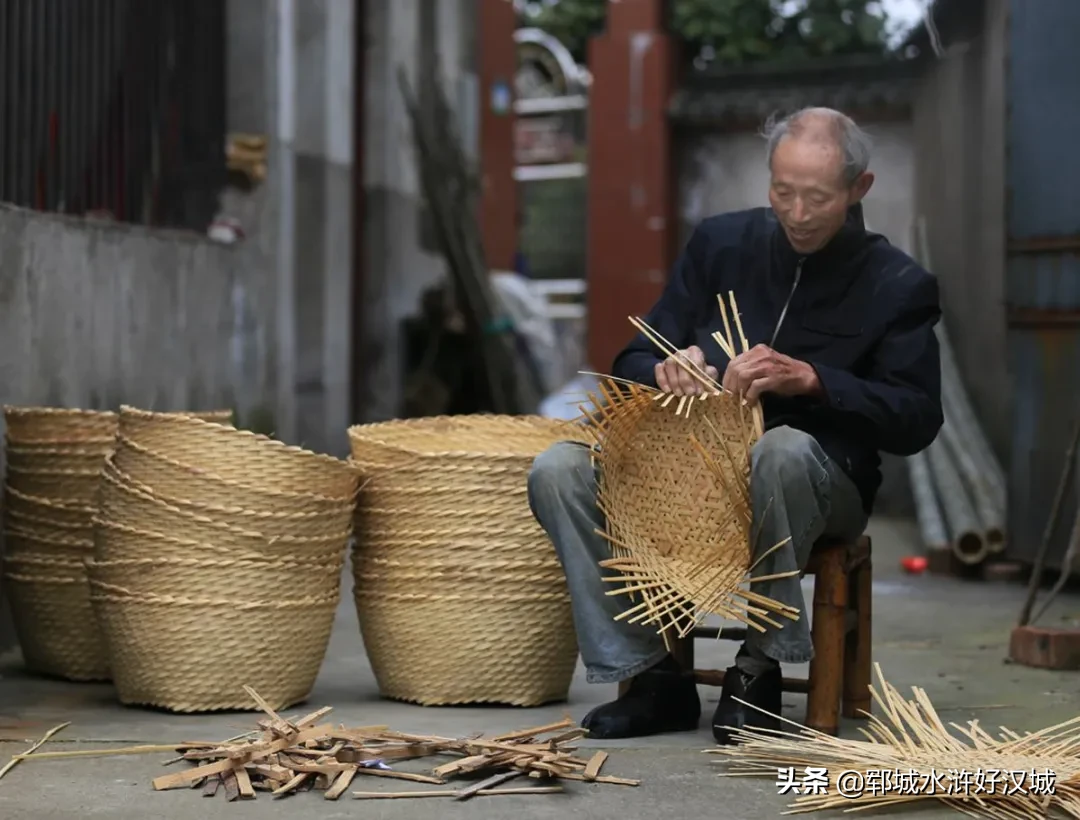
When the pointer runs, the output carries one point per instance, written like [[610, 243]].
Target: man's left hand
[[762, 370]]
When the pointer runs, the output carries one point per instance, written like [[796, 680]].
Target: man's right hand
[[671, 377]]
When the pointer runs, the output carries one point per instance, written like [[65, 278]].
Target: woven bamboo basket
[[170, 478], [674, 488], [484, 566], [123, 503], [67, 486], [119, 542], [239, 455], [55, 514], [32, 542], [100, 447], [310, 524], [197, 653], [53, 619], [52, 459], [216, 577], [62, 426], [58, 424]]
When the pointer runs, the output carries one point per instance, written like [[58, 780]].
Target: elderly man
[[845, 363]]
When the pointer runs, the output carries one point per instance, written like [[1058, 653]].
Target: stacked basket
[[217, 563], [460, 595], [54, 457]]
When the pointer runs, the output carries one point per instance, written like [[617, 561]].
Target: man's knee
[[784, 454], [564, 467]]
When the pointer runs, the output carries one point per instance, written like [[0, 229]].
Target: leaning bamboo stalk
[[954, 393], [966, 540], [991, 516], [935, 535]]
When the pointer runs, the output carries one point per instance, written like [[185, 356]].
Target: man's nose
[[799, 212]]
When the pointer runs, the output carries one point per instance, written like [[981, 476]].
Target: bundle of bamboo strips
[[911, 756]]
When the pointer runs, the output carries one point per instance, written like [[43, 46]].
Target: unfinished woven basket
[[195, 653], [239, 455], [674, 490], [448, 537], [50, 606], [170, 478]]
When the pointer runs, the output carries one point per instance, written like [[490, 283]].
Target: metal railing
[[114, 108]]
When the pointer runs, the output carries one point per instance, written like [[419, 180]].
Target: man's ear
[[861, 187]]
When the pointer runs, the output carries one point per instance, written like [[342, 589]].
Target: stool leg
[[857, 652], [828, 628]]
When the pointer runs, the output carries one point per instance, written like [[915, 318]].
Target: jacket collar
[[837, 256]]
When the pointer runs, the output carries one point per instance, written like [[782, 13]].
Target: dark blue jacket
[[862, 313]]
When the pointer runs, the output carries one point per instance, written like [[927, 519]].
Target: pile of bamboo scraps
[[286, 756], [911, 756], [300, 755]]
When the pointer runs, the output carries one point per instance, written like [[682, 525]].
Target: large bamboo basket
[[674, 488], [77, 487], [118, 542], [62, 426], [196, 653], [170, 478], [306, 524], [216, 577], [58, 424], [123, 503], [484, 567], [29, 512], [53, 619], [239, 455]]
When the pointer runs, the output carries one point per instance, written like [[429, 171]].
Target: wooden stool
[[840, 629]]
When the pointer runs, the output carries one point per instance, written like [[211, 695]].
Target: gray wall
[[959, 120], [397, 268]]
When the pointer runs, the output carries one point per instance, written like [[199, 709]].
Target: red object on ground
[[914, 564]]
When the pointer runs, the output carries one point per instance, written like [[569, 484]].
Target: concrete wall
[[727, 172], [959, 121], [397, 266]]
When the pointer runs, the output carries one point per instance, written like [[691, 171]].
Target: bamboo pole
[[935, 535], [965, 532]]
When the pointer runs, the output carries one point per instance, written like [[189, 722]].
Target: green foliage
[[736, 32]]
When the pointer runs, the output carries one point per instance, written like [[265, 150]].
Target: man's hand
[[671, 377], [762, 370]]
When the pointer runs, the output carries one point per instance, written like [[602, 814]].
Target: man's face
[[808, 192]]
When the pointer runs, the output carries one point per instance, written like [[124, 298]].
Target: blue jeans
[[810, 497]]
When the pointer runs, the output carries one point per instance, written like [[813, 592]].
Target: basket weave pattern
[[459, 593], [54, 457], [192, 582], [674, 490]]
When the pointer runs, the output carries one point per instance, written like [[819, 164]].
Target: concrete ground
[[947, 636]]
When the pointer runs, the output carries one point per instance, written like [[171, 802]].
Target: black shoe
[[763, 691], [659, 700]]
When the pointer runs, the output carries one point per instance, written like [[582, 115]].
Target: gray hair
[[854, 143]]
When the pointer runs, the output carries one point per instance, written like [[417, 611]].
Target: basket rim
[[220, 509], [357, 432], [223, 526], [47, 502], [153, 535], [216, 428], [11, 530], [70, 412], [196, 474]]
